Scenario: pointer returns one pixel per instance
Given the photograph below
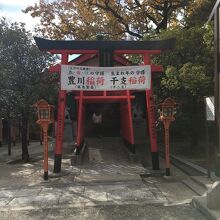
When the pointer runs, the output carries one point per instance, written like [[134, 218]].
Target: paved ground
[[106, 186], [124, 212]]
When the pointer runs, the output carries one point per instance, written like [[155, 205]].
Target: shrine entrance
[[108, 54], [110, 119]]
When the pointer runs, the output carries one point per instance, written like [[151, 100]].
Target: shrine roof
[[49, 45]]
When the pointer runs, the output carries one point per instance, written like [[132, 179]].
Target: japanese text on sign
[[105, 78]]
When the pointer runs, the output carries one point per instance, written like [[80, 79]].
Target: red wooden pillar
[[152, 121], [127, 131], [60, 123], [59, 131], [80, 116], [131, 133]]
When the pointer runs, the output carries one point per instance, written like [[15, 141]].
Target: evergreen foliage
[[23, 76]]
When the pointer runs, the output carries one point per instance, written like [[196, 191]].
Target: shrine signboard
[[105, 78]]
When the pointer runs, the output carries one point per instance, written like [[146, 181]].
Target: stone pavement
[[79, 196], [98, 187], [99, 180]]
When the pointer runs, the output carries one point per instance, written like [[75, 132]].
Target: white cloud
[[21, 17], [18, 3], [12, 11]]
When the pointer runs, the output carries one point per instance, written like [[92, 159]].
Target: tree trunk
[[9, 136], [24, 130], [1, 131]]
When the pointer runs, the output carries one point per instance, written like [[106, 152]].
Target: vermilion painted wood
[[137, 51], [123, 61], [61, 113], [126, 120], [130, 122], [156, 68], [60, 121], [79, 136], [150, 112], [45, 130], [112, 98], [55, 69]]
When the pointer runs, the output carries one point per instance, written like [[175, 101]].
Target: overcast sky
[[11, 9]]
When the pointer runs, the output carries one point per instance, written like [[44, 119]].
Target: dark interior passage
[[110, 119]]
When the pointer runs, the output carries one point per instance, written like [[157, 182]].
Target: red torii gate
[[107, 51]]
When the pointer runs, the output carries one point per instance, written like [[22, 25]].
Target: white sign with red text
[[105, 78]]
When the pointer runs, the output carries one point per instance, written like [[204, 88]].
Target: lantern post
[[167, 116], [45, 117]]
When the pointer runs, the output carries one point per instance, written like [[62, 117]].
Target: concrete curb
[[200, 202], [191, 165], [61, 174], [194, 187]]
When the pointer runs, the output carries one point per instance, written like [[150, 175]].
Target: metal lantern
[[168, 109], [45, 117], [45, 112]]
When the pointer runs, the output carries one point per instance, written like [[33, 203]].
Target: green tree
[[23, 75], [198, 12], [188, 74]]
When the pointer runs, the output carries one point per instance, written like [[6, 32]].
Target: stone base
[[213, 196], [76, 159]]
